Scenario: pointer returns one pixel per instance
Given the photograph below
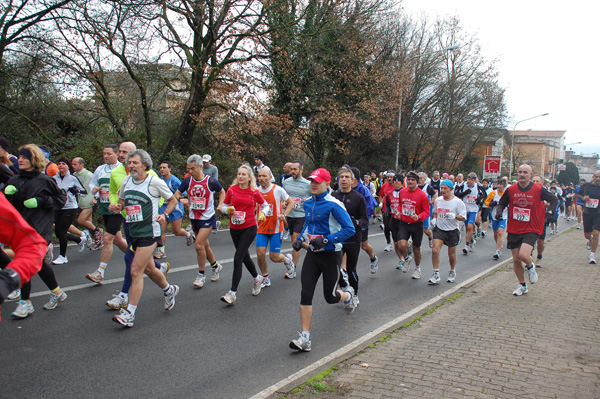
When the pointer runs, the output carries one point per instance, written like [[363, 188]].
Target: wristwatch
[[325, 240], [166, 215]]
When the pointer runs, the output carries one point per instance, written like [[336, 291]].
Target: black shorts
[[295, 225], [141, 242], [451, 238], [485, 215], [514, 241], [365, 235], [112, 223], [591, 221], [404, 231]]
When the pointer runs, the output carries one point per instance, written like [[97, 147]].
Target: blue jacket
[[371, 202], [327, 217]]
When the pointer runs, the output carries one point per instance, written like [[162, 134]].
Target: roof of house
[[538, 133]]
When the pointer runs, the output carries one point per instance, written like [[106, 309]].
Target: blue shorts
[[176, 214], [471, 216], [273, 239], [426, 221], [204, 224], [498, 224]]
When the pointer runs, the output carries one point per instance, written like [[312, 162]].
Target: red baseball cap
[[320, 175]]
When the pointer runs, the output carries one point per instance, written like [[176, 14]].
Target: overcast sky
[[549, 59]]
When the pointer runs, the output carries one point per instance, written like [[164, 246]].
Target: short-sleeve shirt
[[244, 201], [443, 207]]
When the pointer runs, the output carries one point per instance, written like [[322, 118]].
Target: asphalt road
[[202, 348]]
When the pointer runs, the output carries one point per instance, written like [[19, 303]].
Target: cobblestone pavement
[[488, 343]]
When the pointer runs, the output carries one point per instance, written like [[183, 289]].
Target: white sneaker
[[190, 239], [160, 253], [96, 277], [451, 276], [61, 260], [170, 297], [266, 282], [497, 255], [215, 272], [199, 281], [407, 261], [466, 250], [217, 228], [82, 242], [124, 318], [589, 244], [289, 265], [435, 279], [431, 243], [117, 302], [48, 256], [471, 245], [592, 260], [164, 269], [521, 289], [286, 235], [417, 273], [300, 344], [350, 304], [533, 277], [374, 266], [13, 296], [578, 226], [229, 298], [54, 300], [388, 248], [257, 285], [23, 310]]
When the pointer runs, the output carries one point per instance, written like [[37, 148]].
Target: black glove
[[317, 243], [297, 245], [498, 214], [74, 190], [9, 281], [493, 204]]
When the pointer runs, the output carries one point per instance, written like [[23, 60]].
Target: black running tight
[[63, 219], [242, 239]]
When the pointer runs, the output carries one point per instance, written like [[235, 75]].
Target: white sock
[[102, 268], [132, 308], [306, 334]]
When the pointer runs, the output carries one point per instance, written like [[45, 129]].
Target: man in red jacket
[[409, 207], [28, 245]]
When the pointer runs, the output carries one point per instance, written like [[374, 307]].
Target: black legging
[[386, 227], [242, 239], [63, 219], [315, 263], [47, 276], [352, 251]]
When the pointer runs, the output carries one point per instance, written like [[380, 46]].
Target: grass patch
[[433, 309]]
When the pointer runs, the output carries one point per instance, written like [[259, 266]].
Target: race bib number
[[591, 203], [312, 237], [394, 208], [470, 199], [134, 213], [521, 214], [104, 196], [297, 203], [570, 195], [238, 217], [270, 211], [197, 204], [408, 210], [443, 213]]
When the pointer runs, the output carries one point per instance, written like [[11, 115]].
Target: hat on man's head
[[206, 158], [412, 174], [5, 144], [320, 175], [388, 174], [447, 182]]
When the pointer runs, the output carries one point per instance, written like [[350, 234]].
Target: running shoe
[[23, 309], [410, 248], [217, 228], [98, 243], [521, 289], [54, 300], [96, 277], [286, 235], [471, 245], [189, 240], [199, 281], [229, 298], [160, 253], [431, 243], [417, 273], [292, 274], [388, 248], [61, 260], [538, 261], [289, 265], [117, 302], [170, 297], [483, 234], [400, 264], [407, 261], [533, 277], [215, 272], [374, 266], [589, 244], [451, 276], [164, 269], [578, 226], [381, 226], [257, 285], [435, 279], [350, 304], [592, 260], [124, 318], [300, 344], [82, 242], [89, 240], [497, 255], [266, 282], [466, 250], [48, 256], [13, 296]]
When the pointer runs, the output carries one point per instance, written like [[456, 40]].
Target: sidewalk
[[488, 343]]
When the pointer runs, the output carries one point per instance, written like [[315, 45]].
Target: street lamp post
[[451, 48], [512, 141]]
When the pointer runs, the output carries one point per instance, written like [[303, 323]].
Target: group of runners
[[327, 218]]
